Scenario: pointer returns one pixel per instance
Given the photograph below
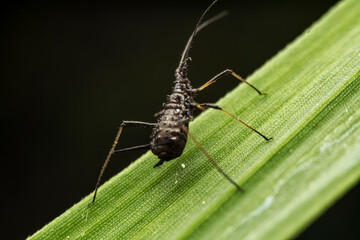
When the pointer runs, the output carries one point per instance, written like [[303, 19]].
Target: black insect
[[170, 132]]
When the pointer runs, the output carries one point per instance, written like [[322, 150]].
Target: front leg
[[223, 74]]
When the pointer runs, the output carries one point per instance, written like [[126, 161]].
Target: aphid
[[170, 132]]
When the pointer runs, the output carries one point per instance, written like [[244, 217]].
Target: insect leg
[[112, 150], [145, 146], [212, 161], [222, 74], [138, 124], [203, 106]]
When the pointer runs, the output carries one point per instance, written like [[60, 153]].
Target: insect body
[[171, 130], [169, 139]]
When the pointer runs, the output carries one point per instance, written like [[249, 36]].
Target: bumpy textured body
[[168, 138]]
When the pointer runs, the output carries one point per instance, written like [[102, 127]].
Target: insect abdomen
[[169, 139]]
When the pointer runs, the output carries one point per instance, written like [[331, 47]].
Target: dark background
[[71, 72]]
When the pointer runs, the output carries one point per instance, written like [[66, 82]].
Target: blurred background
[[72, 71]]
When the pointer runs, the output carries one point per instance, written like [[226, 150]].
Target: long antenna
[[185, 54]]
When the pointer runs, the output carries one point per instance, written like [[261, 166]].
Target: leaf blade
[[311, 85]]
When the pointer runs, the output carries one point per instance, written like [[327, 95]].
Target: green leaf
[[312, 110]]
